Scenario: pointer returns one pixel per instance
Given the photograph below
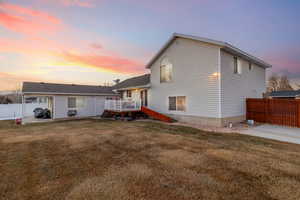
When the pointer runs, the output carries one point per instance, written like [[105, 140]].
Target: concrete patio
[[280, 133]]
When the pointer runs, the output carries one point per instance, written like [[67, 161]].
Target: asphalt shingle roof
[[134, 82], [292, 93], [40, 87]]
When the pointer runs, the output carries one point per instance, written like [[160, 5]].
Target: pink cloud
[[28, 21], [284, 62], [109, 63], [68, 3]]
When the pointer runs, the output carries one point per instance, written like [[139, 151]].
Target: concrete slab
[[280, 133]]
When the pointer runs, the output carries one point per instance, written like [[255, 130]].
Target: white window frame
[[176, 103], [76, 102], [250, 66], [127, 94], [168, 67], [237, 65]]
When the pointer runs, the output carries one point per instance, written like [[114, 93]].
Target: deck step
[[156, 115]]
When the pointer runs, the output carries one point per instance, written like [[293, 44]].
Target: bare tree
[[284, 84], [273, 83]]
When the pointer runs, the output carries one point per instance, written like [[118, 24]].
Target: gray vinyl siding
[[94, 106], [235, 88], [194, 66], [60, 107]]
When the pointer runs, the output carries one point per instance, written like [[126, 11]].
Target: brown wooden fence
[[274, 111]]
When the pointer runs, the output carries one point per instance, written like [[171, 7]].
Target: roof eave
[[284, 96], [134, 87], [61, 93], [239, 52], [223, 45]]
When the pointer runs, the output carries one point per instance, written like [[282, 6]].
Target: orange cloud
[[104, 62], [12, 82], [28, 21]]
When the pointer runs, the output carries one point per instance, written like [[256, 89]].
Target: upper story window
[[237, 66], [128, 93], [250, 66], [166, 71]]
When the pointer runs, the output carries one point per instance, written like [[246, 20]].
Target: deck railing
[[122, 105]]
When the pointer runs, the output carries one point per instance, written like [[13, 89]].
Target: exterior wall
[[135, 95], [60, 107], [99, 105], [195, 75], [235, 88], [94, 106]]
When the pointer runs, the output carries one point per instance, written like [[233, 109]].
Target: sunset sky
[[97, 41]]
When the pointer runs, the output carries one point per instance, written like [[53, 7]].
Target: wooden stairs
[[155, 115]]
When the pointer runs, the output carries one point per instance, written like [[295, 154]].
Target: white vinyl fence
[[13, 111]]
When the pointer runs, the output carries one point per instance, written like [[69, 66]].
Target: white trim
[[135, 87], [226, 46], [57, 93]]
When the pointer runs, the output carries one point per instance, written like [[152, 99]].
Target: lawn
[[110, 160]]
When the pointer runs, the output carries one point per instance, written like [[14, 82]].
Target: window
[[172, 103], [237, 66], [180, 103], [177, 103], [72, 102], [76, 102], [166, 69], [250, 66], [128, 93]]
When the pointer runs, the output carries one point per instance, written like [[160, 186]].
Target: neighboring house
[[135, 89], [293, 94], [203, 81], [86, 100]]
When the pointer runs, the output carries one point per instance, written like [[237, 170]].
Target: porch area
[[122, 105]]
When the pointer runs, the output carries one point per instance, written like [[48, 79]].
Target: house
[[135, 89], [292, 94], [193, 79], [61, 98], [201, 81]]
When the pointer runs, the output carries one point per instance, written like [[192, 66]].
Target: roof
[[291, 93], [54, 88], [224, 45], [138, 81]]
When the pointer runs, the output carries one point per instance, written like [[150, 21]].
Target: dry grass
[[111, 160]]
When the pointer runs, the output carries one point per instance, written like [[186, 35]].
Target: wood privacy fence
[[284, 112]]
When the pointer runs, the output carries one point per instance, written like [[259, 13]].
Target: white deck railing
[[122, 105]]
